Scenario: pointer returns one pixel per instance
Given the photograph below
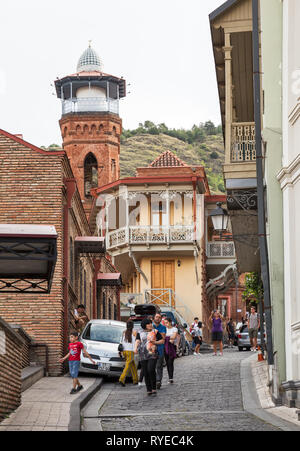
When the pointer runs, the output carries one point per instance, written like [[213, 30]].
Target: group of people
[[154, 343], [224, 327]]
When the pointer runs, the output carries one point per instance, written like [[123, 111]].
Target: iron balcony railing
[[90, 104]]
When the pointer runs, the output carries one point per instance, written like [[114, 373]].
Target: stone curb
[[251, 401], [80, 403]]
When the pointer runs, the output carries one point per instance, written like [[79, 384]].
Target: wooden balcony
[[150, 235], [240, 156]]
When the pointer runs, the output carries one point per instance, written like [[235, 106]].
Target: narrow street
[[206, 396]]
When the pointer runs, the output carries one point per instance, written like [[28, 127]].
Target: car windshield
[[104, 333]]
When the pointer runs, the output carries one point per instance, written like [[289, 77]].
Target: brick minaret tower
[[90, 123]]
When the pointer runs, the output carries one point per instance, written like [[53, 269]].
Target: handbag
[[121, 348]]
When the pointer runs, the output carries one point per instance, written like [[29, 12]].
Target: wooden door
[[163, 278]]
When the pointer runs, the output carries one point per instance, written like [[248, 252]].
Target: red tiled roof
[[167, 160]]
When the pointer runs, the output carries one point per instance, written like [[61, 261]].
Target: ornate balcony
[[243, 149], [147, 235]]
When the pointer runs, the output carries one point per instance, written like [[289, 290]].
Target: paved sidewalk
[[45, 406], [260, 375]]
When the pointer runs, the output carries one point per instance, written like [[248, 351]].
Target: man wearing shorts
[[253, 326]]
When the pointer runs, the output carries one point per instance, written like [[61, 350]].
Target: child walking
[[75, 348]]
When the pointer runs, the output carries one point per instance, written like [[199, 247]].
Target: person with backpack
[[148, 361], [128, 347]]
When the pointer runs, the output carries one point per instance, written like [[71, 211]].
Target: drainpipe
[[260, 185]]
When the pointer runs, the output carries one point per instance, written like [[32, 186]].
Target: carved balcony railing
[[150, 235], [222, 249], [243, 148]]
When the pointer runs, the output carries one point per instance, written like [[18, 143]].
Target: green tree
[[253, 288]]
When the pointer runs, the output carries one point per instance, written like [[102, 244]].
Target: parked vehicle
[[143, 311], [244, 339], [101, 339]]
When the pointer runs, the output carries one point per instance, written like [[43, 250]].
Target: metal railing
[[217, 249], [166, 297], [150, 235], [90, 104], [243, 148]]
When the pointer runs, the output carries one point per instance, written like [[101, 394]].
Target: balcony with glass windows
[[90, 104]]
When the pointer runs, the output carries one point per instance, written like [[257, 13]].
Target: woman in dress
[[148, 360], [128, 346], [170, 348], [216, 319]]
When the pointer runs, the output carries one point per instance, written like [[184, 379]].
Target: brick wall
[[11, 345], [34, 189], [31, 193], [98, 134], [26, 351]]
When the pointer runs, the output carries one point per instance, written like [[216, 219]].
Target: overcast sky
[[162, 48]]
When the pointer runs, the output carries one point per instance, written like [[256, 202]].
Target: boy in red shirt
[[75, 348]]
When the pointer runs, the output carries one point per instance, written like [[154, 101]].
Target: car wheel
[[241, 349]]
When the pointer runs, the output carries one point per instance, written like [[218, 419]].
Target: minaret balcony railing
[[90, 105]]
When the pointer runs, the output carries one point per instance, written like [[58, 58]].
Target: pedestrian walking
[[217, 331], [253, 326], [157, 325], [231, 332], [148, 361], [198, 338], [75, 348], [128, 347], [192, 331], [170, 348]]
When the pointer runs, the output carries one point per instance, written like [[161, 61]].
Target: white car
[[101, 339]]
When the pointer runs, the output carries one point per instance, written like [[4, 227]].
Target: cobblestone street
[[206, 396]]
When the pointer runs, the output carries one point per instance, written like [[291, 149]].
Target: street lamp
[[219, 218], [28, 255]]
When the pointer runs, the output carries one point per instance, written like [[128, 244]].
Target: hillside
[[141, 150]]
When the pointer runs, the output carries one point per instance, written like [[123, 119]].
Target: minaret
[[90, 123]]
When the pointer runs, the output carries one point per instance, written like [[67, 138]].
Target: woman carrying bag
[[127, 348]]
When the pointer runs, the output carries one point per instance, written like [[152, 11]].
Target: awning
[[109, 280], [90, 245], [28, 255]]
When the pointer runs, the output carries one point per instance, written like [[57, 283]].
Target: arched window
[[90, 174], [114, 131], [101, 128]]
